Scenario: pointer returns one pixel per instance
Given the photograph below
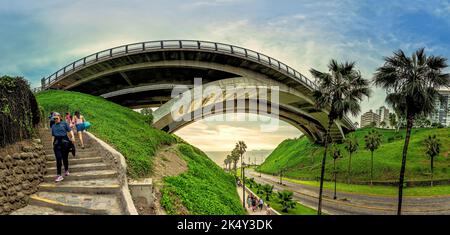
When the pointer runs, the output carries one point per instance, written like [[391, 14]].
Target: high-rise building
[[441, 112], [383, 112], [370, 117]]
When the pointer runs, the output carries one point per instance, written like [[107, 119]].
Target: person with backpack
[[61, 145], [50, 118], [79, 120]]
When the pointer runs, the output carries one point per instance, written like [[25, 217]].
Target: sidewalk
[[249, 210]]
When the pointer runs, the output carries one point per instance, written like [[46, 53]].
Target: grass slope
[[120, 127], [205, 189], [302, 160]]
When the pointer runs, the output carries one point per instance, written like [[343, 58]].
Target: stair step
[[78, 155], [88, 175], [99, 166], [75, 160], [77, 203], [78, 150], [98, 186], [41, 210]]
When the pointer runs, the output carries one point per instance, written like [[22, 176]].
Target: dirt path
[[166, 163]]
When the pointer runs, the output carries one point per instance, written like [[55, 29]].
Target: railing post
[[143, 46], [181, 44], [43, 82], [245, 51], [270, 63], [198, 44], [110, 52], [126, 49], [162, 45], [84, 61], [279, 65], [215, 46], [232, 51], [96, 56], [259, 57], [73, 67]]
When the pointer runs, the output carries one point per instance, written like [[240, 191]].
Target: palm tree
[[411, 84], [340, 91], [229, 160], [373, 141], [336, 154], [241, 149], [432, 149], [382, 124], [392, 120], [351, 145], [286, 201], [226, 161], [235, 159], [267, 191]]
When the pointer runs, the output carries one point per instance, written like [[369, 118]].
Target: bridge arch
[[143, 75]]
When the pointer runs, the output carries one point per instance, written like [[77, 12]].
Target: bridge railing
[[47, 82]]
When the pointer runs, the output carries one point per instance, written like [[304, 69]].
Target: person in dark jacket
[[61, 145], [50, 118]]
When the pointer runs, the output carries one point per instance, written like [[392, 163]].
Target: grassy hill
[[302, 159], [120, 127], [204, 189]]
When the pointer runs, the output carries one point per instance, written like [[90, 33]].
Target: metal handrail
[[133, 48]]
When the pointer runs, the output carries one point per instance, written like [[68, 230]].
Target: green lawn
[[302, 159]]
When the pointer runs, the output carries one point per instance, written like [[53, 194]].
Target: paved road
[[350, 203]]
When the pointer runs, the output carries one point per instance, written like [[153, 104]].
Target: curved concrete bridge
[[144, 74]]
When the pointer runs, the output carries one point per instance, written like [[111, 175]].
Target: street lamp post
[[243, 184]]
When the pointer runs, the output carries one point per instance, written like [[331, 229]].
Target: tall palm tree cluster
[[236, 154], [411, 83]]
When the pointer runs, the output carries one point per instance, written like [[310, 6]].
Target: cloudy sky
[[39, 37]]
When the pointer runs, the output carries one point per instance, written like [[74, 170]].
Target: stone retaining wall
[[20, 175], [117, 160]]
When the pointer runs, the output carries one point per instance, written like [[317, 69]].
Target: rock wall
[[20, 175]]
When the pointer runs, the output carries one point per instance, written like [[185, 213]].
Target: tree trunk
[[432, 158], [322, 171], [349, 168], [335, 174], [409, 125], [371, 170]]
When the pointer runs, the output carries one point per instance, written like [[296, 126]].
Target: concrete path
[[351, 203], [91, 188], [249, 210]]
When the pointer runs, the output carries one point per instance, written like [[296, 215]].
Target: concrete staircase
[[91, 188]]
